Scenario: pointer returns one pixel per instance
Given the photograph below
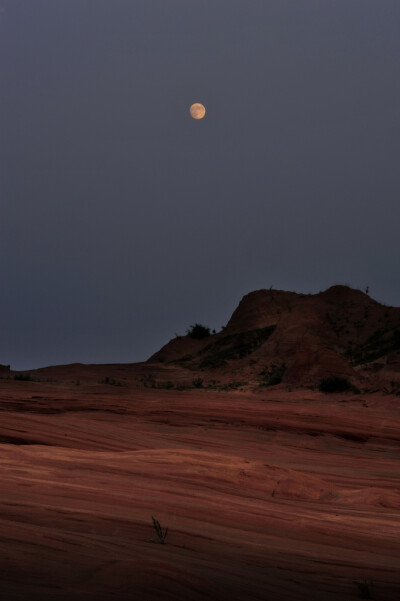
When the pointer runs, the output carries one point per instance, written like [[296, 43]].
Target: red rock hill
[[277, 336]]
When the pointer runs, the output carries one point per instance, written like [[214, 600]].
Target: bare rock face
[[277, 336]]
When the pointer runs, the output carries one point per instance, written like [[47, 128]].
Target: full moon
[[197, 110]]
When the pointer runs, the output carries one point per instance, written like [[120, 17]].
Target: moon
[[197, 110]]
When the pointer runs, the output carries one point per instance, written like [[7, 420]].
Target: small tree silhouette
[[198, 331]]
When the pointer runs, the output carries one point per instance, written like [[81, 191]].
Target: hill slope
[[278, 336]]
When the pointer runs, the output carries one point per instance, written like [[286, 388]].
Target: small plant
[[151, 382], [213, 384], [232, 385], [197, 383], [334, 384], [111, 381], [365, 588], [168, 385], [272, 375], [161, 535], [198, 331]]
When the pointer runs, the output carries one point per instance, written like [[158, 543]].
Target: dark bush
[[198, 331], [273, 375], [23, 377], [365, 588], [110, 381], [334, 384]]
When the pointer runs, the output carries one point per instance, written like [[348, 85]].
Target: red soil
[[268, 495]]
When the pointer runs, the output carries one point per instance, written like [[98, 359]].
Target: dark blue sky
[[123, 220]]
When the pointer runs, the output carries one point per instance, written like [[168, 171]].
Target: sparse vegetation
[[148, 381], [151, 382], [23, 377], [198, 331], [273, 374], [161, 534], [197, 383], [234, 346], [231, 385], [168, 385], [183, 361], [334, 384], [365, 588], [110, 381], [380, 343]]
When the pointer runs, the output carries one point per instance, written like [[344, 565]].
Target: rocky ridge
[[275, 336]]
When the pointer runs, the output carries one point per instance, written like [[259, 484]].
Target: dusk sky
[[124, 221]]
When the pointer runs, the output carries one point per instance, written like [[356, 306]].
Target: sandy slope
[[269, 495]]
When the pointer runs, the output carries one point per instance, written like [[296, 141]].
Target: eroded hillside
[[276, 336]]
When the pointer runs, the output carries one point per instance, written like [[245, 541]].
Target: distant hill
[[275, 336]]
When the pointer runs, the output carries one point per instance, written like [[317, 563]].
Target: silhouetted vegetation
[[365, 588], [234, 346], [151, 382], [111, 381], [198, 331], [23, 377], [197, 383], [161, 534], [231, 385], [334, 384]]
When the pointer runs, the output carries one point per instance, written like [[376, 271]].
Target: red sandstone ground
[[267, 495]]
